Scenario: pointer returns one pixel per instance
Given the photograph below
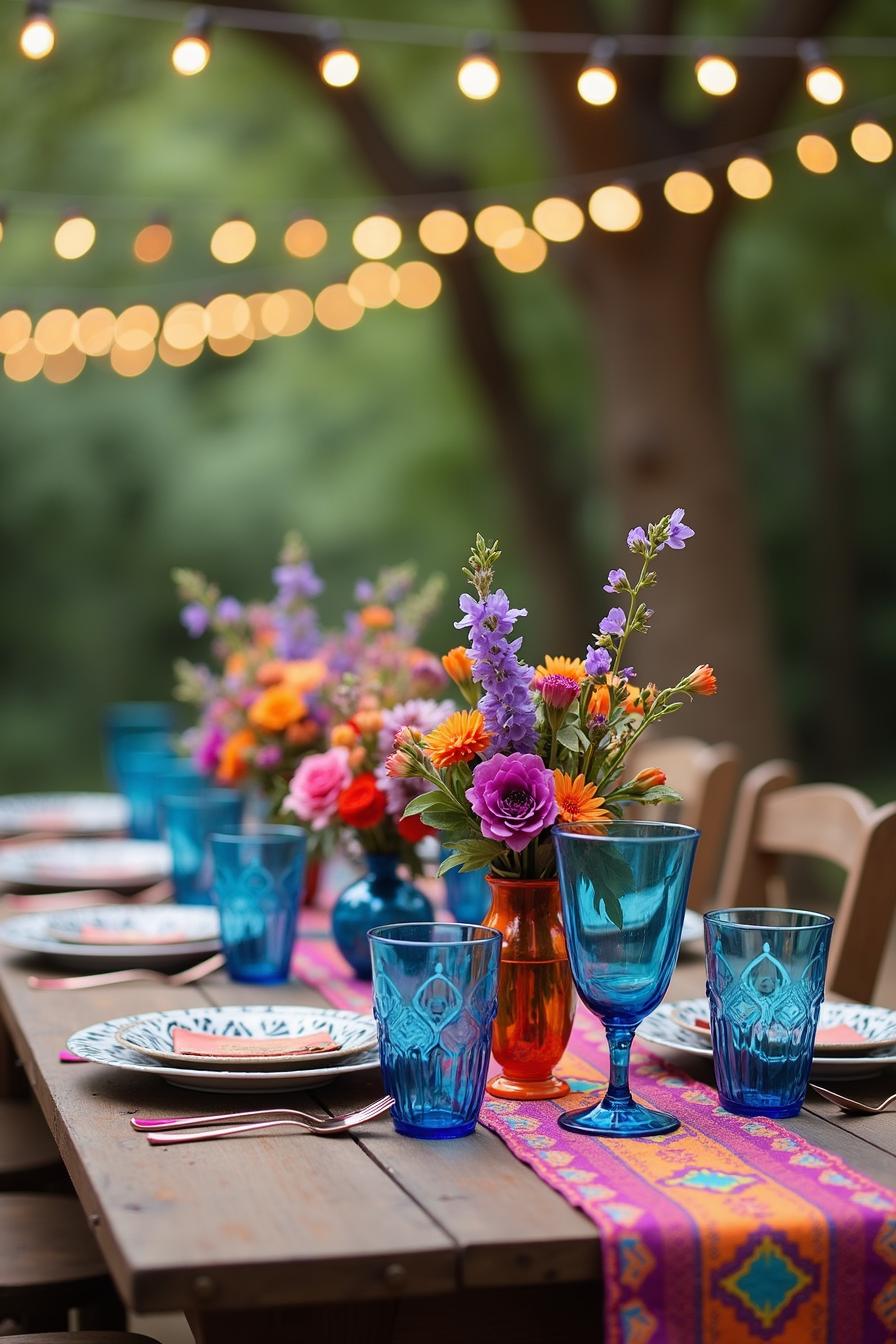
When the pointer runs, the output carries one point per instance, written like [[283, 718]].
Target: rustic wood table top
[[267, 1232]]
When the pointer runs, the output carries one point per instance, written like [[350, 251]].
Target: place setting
[[62, 813], [116, 937]]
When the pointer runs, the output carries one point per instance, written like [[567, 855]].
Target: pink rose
[[316, 785]]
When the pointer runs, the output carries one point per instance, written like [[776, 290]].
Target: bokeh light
[[55, 331], [376, 237], [526, 254], [443, 231], [131, 363], [153, 243], [816, 153], [558, 219], [597, 85], [15, 330], [136, 327], [716, 75], [373, 284], [419, 284], [190, 55], [74, 237], [232, 241], [229, 316], [339, 67], [871, 142], [185, 325], [499, 226], [335, 308], [287, 312], [749, 177], [95, 331], [38, 36], [616, 208], [23, 364], [478, 77], [170, 354], [689, 192], [824, 84], [305, 238], [64, 367], [229, 346], [257, 330]]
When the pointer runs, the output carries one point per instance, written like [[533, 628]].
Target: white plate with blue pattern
[[64, 813], [99, 1044], [52, 936], [85, 863]]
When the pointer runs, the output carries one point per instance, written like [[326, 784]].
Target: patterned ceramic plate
[[85, 863], [99, 1044], [39, 933], [124, 926], [70, 813], [692, 931], [680, 1044], [843, 1028]]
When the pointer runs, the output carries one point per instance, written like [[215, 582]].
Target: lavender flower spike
[[507, 705], [613, 623], [615, 580], [679, 532], [597, 662]]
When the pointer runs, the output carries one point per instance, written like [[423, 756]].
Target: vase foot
[[630, 1121], [526, 1089]]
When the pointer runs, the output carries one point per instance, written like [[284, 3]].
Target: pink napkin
[[93, 933], [188, 1042], [840, 1035]]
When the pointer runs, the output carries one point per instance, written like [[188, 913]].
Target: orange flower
[[461, 737], [367, 721], [303, 733], [599, 704], [276, 708], [235, 665], [233, 763], [459, 665], [376, 617], [702, 681], [633, 699], [271, 672], [651, 778], [343, 735], [577, 801], [305, 674], [561, 667]]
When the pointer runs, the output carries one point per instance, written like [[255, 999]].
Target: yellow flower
[[577, 801], [461, 737], [561, 667]]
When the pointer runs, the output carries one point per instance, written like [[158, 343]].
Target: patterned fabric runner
[[729, 1231]]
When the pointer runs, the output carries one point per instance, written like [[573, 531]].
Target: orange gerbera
[[377, 617], [561, 667], [305, 674], [271, 672], [459, 665], [577, 801], [461, 737], [276, 708], [233, 761]]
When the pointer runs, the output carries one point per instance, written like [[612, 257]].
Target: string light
[[871, 142], [335, 308], [816, 153], [499, 226], [229, 346], [597, 83], [558, 219], [526, 254], [131, 363], [478, 76], [257, 330], [74, 237], [716, 75], [55, 331], [749, 177], [339, 66], [373, 284], [185, 325], [137, 327], [170, 354], [229, 316], [288, 313], [305, 237], [376, 237], [15, 331], [192, 51], [153, 243], [443, 231], [419, 284], [823, 82], [23, 364], [688, 191], [64, 367], [38, 36], [95, 331], [232, 241], [616, 209]]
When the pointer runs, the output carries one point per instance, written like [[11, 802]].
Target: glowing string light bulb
[[478, 76], [339, 66], [716, 75], [38, 36], [823, 82], [871, 142], [192, 51], [597, 83], [74, 237]]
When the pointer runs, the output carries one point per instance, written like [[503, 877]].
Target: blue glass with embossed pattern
[[435, 996], [765, 972], [256, 886], [188, 823]]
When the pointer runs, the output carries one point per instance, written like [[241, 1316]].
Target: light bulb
[[478, 77], [38, 36], [192, 51], [749, 177], [824, 84], [871, 142], [597, 85], [339, 67], [615, 208], [716, 75], [74, 237], [689, 192]]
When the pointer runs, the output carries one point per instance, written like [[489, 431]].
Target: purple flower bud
[[637, 539], [229, 610], [615, 580], [268, 757], [558, 691], [194, 618]]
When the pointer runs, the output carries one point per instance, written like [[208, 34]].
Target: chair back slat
[[824, 821]]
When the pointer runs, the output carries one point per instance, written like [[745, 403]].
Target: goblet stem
[[619, 1041]]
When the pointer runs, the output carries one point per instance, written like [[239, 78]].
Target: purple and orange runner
[[730, 1231]]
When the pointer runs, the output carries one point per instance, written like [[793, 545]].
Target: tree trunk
[[667, 443]]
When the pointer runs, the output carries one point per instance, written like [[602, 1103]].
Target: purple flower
[[268, 757], [627, 673], [364, 591], [424, 715], [229, 610], [637, 539], [613, 623], [678, 531], [513, 796], [558, 691], [507, 705], [615, 580], [208, 750], [298, 635], [297, 581], [194, 618], [597, 662]]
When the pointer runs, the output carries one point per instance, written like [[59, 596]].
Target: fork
[[187, 977], [850, 1104], [337, 1124]]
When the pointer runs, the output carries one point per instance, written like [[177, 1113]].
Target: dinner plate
[[151, 1035], [127, 926], [692, 931], [679, 1044], [99, 1045], [85, 863], [875, 1026], [70, 813], [35, 933]]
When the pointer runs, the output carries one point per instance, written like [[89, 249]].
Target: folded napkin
[[841, 1034], [95, 934], [188, 1042]]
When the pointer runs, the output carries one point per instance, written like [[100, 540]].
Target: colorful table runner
[[729, 1231]]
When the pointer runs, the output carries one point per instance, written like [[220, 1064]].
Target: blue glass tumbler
[[177, 776], [435, 996], [765, 972], [467, 895], [624, 890], [138, 776], [188, 822], [257, 886], [139, 725]]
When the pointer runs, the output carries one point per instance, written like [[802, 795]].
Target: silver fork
[[850, 1104], [187, 977], [310, 1124]]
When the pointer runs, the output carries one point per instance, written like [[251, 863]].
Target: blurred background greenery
[[372, 441]]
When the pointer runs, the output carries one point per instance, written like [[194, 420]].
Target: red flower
[[362, 804], [412, 829]]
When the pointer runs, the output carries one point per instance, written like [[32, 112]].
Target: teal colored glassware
[[765, 972], [379, 896], [435, 996], [624, 892], [178, 775], [188, 822], [138, 777], [139, 725], [467, 895], [256, 886]]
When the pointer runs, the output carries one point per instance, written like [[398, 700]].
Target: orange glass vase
[[536, 997]]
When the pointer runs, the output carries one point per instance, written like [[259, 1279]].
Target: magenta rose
[[513, 797], [316, 785]]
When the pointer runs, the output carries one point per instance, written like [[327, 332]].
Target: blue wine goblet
[[624, 890]]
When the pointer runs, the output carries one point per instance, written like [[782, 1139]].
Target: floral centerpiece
[[538, 745]]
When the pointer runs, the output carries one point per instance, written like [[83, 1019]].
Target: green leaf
[[442, 818], [422, 802], [569, 737], [660, 793], [612, 878], [473, 854], [613, 908]]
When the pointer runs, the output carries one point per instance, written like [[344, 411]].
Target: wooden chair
[[775, 817], [707, 778], [29, 1158]]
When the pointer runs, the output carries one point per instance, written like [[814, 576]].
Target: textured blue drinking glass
[[467, 895], [256, 886], [177, 776], [765, 973], [188, 822], [138, 779], [435, 996], [138, 725], [624, 891]]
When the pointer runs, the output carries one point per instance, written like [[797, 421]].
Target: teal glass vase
[[379, 896]]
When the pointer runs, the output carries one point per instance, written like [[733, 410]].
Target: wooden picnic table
[[368, 1239]]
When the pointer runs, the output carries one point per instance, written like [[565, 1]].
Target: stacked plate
[[853, 1039], [121, 864], [236, 1049], [65, 813], [116, 937]]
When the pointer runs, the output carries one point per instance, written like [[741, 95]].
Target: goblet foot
[[620, 1120], [526, 1089]]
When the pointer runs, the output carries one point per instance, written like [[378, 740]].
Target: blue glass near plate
[[188, 822], [138, 772], [257, 885], [765, 980], [624, 890], [139, 725], [379, 896], [435, 996], [178, 776], [467, 895]]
